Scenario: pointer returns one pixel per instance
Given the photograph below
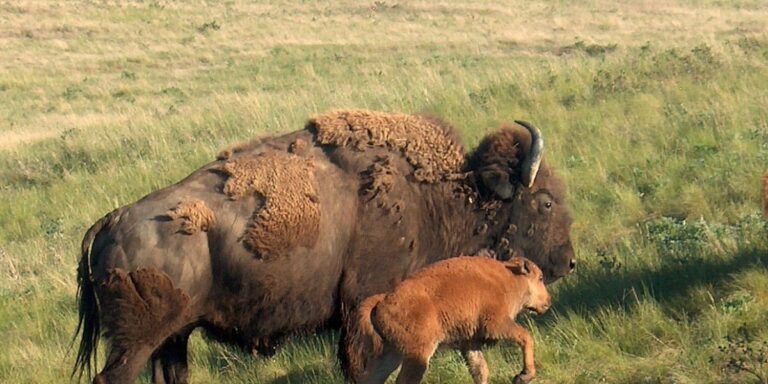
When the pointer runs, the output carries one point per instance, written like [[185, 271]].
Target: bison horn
[[533, 160]]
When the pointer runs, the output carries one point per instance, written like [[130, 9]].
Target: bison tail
[[88, 307], [362, 342]]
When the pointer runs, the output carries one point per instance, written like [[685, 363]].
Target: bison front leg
[[524, 339], [508, 329], [169, 363]]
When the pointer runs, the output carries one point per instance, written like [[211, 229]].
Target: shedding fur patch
[[299, 147], [291, 213], [194, 215], [430, 146], [141, 306], [378, 180]]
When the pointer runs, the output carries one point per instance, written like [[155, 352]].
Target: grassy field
[[656, 115]]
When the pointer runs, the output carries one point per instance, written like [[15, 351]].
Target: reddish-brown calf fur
[[464, 303], [765, 195]]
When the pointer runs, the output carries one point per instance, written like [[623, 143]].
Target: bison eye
[[548, 204]]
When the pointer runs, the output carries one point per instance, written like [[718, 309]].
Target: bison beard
[[288, 234]]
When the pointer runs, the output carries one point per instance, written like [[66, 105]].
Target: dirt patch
[[194, 215], [291, 213], [429, 145]]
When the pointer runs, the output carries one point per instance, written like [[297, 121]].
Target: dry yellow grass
[[654, 112], [44, 44]]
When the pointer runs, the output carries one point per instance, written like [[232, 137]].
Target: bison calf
[[464, 303], [765, 195]]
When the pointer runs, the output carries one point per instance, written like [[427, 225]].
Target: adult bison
[[290, 233]]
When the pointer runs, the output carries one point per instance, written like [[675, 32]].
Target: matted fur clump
[[378, 180], [139, 306], [194, 215], [429, 145], [506, 147], [291, 212]]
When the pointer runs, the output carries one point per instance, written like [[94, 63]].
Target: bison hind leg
[[169, 362], [381, 367], [139, 310]]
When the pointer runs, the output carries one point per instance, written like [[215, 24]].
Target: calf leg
[[478, 368], [169, 363], [508, 329]]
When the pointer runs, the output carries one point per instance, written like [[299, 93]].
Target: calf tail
[[88, 306], [361, 342]]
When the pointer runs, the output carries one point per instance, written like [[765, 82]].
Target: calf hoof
[[522, 378]]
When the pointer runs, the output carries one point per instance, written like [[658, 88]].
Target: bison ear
[[496, 180], [518, 266]]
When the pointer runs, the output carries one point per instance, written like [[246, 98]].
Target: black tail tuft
[[88, 325], [88, 307]]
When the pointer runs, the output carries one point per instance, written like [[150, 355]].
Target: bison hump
[[290, 215], [430, 146]]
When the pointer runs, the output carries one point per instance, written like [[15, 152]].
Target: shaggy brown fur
[[501, 153], [497, 160], [290, 216], [299, 147], [378, 180], [139, 302], [430, 146], [195, 216], [765, 195], [463, 302], [140, 309]]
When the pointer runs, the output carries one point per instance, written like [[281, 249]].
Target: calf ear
[[519, 266], [497, 180]]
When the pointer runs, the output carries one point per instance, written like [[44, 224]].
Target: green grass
[[655, 114]]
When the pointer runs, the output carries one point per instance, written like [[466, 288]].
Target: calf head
[[537, 298], [536, 224]]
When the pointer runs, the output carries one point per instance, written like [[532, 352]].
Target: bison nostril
[[572, 264]]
